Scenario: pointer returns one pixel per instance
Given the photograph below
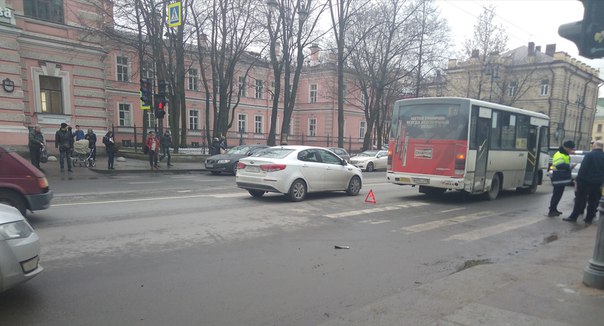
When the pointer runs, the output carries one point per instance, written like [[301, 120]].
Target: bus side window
[[496, 131], [508, 131]]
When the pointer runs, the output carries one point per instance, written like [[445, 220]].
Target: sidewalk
[[123, 165], [543, 287]]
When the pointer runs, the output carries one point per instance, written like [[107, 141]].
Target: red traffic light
[[160, 106]]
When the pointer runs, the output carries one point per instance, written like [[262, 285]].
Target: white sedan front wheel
[[354, 186]]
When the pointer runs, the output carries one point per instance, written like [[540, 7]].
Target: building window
[[258, 125], [312, 127], [512, 88], [193, 119], [193, 80], [544, 87], [313, 93], [151, 119], [51, 94], [362, 129], [241, 122], [242, 87], [599, 127], [259, 88], [148, 70], [122, 69], [50, 10], [124, 115]]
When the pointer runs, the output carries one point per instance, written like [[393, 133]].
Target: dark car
[[22, 185], [340, 152], [227, 162]]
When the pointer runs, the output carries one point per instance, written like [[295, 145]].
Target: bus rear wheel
[[493, 193]]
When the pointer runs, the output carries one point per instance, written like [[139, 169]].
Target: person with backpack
[[110, 149]]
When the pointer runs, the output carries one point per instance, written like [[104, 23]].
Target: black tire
[[370, 167], [297, 191], [493, 193], [354, 186], [234, 170], [12, 198], [256, 193], [215, 172]]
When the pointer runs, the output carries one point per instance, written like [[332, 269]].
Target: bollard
[[593, 274]]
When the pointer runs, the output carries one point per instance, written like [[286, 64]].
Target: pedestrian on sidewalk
[[561, 175], [79, 133], [166, 143], [91, 137], [110, 149], [63, 142], [589, 184], [36, 145], [215, 146], [153, 145]]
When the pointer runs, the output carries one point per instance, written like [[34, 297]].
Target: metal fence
[[133, 137]]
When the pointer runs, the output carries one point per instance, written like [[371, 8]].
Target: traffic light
[[587, 34], [160, 105], [162, 87], [146, 94]]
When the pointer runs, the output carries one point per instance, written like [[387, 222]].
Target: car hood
[[9, 214], [361, 158]]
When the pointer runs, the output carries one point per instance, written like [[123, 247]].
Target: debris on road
[[342, 247]]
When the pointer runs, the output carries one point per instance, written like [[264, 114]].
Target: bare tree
[[295, 23]]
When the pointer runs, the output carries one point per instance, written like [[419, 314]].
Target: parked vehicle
[[227, 162], [296, 171], [19, 249], [340, 152], [370, 160], [22, 185]]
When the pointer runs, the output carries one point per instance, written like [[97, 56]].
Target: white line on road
[[451, 221], [143, 182], [375, 210], [493, 230], [147, 199], [453, 209]]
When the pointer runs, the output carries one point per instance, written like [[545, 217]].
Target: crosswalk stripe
[[375, 210], [451, 221], [493, 230]]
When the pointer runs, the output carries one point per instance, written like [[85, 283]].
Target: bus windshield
[[430, 121]]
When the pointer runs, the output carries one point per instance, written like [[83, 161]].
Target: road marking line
[[375, 210], [149, 199], [183, 191], [442, 223], [453, 209], [493, 230], [143, 182]]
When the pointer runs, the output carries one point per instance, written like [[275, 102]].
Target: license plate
[[252, 169], [421, 181], [30, 265]]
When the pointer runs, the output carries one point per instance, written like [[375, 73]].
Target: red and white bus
[[467, 145]]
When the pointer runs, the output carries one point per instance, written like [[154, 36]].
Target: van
[[22, 185]]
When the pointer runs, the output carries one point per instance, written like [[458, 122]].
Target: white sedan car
[[297, 170], [19, 249], [370, 160]]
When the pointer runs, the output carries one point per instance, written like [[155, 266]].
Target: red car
[[22, 185]]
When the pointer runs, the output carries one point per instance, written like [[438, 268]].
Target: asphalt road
[[192, 249]]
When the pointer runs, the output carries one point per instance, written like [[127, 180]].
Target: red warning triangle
[[370, 197]]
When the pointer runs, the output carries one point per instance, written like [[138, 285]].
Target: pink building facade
[[53, 71]]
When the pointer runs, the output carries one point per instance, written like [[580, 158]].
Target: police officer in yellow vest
[[561, 176]]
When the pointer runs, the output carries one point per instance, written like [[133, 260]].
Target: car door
[[336, 175], [381, 160], [312, 169]]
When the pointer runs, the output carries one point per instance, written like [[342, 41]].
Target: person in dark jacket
[[215, 147], [91, 137], [63, 141], [110, 149], [36, 144], [561, 175], [589, 184], [166, 142]]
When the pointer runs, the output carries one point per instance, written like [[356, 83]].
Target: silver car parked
[[19, 249]]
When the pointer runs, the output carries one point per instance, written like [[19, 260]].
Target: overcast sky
[[524, 20]]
